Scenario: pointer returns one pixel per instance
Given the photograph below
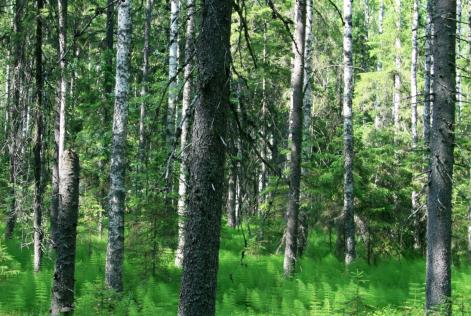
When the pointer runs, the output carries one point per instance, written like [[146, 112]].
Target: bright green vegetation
[[252, 285]]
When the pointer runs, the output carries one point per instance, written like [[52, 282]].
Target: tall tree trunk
[[438, 279], [172, 72], [185, 130], [15, 111], [397, 74], [59, 129], [295, 137], [348, 212], [206, 161], [303, 222], [115, 248], [379, 115], [109, 49], [413, 98], [232, 196], [428, 74], [38, 147], [144, 83], [63, 280], [459, 96]]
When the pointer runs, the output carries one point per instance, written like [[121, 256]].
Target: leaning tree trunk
[[397, 74], [63, 280], [296, 136], [15, 111], [185, 130], [348, 212], [438, 279], [38, 146], [115, 248], [206, 161], [59, 131]]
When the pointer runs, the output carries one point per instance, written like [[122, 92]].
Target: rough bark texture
[[144, 84], [115, 248], [307, 101], [62, 299], [397, 74], [348, 212], [428, 75], [38, 146], [295, 135], [185, 128], [206, 163], [438, 279]]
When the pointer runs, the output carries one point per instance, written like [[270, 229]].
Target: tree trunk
[[295, 138], [459, 97], [206, 162], [348, 212], [144, 83], [172, 73], [438, 279], [115, 248], [428, 75], [38, 147], [59, 130], [397, 74], [63, 281], [413, 98], [379, 115], [307, 101], [185, 130], [15, 111], [232, 197]]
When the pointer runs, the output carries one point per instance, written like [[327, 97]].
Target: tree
[[428, 74], [348, 212], [295, 137], [63, 280], [397, 74], [59, 129], [438, 275], [185, 129], [206, 161], [38, 146], [115, 248]]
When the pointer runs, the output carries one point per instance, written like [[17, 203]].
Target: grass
[[253, 285]]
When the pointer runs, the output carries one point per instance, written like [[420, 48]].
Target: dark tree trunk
[[63, 281], [296, 135], [38, 147], [115, 248], [206, 162], [438, 279]]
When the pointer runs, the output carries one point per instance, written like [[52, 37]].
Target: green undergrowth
[[248, 284]]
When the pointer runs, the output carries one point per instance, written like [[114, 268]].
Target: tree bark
[[348, 211], [59, 130], [232, 197], [172, 72], [206, 161], [63, 281], [115, 248], [428, 74], [38, 146], [295, 138], [397, 74], [459, 96], [379, 115], [413, 98], [438, 277], [185, 130]]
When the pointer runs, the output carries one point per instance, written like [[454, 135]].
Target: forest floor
[[252, 285]]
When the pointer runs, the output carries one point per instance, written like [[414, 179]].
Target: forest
[[235, 157]]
